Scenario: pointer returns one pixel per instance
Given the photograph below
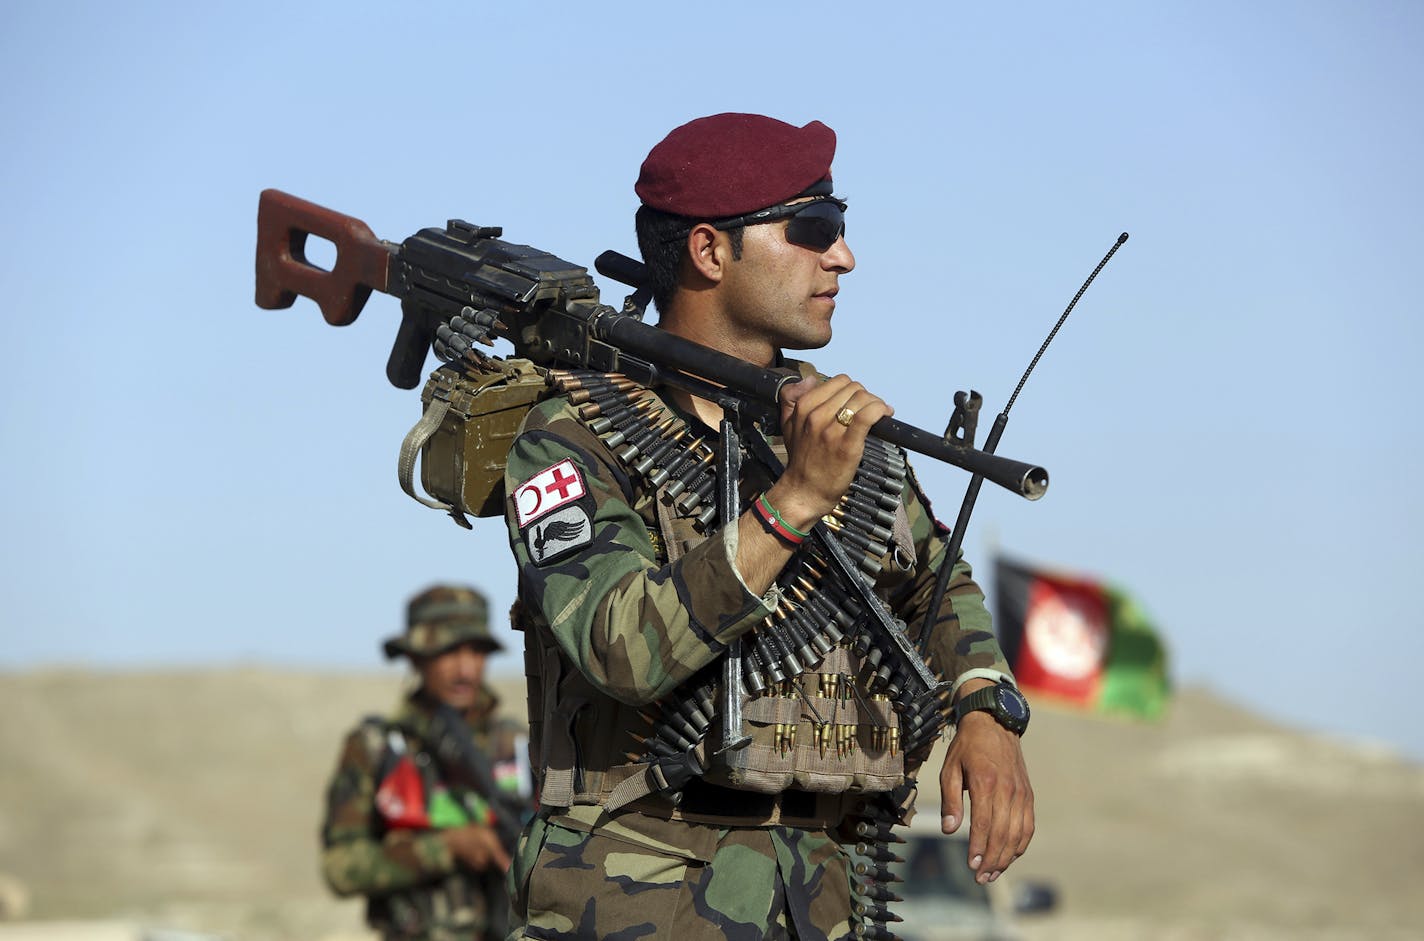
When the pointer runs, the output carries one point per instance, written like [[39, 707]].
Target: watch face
[[1012, 704]]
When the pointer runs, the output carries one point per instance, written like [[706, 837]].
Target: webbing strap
[[558, 787], [635, 786], [556, 743], [410, 449]]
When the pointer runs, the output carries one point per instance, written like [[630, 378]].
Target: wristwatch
[[1002, 701]]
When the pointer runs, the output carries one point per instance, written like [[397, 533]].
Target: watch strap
[[989, 699], [979, 699]]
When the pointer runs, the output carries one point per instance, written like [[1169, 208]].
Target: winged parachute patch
[[560, 534]]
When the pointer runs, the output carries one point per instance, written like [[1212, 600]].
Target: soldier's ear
[[708, 252]]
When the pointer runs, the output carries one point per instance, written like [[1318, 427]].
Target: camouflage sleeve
[[963, 644], [357, 859], [635, 627]]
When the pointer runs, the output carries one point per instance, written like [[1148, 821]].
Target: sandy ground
[[189, 802]]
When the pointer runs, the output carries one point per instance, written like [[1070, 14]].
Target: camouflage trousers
[[616, 881]]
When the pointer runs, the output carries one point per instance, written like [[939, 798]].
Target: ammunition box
[[462, 463]]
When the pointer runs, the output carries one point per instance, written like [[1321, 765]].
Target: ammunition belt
[[792, 659], [815, 613], [663, 453], [869, 835]]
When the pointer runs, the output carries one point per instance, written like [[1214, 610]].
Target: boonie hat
[[441, 618]]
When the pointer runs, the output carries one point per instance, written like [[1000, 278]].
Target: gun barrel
[[668, 349], [1028, 480], [765, 384]]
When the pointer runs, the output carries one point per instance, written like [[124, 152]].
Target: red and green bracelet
[[774, 522]]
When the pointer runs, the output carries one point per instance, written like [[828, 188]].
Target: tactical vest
[[815, 698]]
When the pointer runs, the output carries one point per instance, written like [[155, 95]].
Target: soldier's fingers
[[1007, 839], [835, 413], [1015, 841], [1026, 823], [979, 830], [801, 410], [998, 853], [862, 411], [820, 403], [860, 397], [826, 390], [793, 392], [951, 801], [1022, 833]]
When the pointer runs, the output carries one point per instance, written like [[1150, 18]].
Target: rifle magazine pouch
[[471, 415]]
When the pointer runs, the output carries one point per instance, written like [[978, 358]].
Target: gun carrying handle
[[362, 260]]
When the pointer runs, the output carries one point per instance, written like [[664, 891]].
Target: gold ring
[[845, 416]]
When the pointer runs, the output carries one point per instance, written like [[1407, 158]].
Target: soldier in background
[[400, 829]]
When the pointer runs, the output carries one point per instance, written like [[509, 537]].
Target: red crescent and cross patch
[[548, 490]]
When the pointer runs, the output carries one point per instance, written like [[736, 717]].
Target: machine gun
[[464, 285]]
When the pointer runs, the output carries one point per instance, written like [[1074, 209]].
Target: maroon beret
[[730, 164]]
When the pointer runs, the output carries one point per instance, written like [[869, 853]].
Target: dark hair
[[662, 250]]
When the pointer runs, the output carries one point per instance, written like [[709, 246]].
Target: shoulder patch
[[548, 490], [561, 533]]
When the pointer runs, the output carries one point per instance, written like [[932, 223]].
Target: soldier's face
[[454, 677], [782, 291]]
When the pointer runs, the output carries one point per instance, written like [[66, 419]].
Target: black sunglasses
[[815, 224]]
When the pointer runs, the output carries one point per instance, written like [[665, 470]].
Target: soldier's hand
[[477, 847], [823, 451], [986, 758]]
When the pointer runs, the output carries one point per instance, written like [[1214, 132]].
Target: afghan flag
[[1079, 641]]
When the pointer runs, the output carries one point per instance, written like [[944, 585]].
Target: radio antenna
[[966, 416]]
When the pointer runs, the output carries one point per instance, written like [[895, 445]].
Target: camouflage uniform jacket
[[616, 625], [415, 887]]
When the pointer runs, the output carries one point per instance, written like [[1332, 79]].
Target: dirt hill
[[190, 801]]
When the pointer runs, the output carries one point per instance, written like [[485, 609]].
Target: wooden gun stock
[[283, 271]]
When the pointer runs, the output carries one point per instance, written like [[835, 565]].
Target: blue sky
[[1227, 417]]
